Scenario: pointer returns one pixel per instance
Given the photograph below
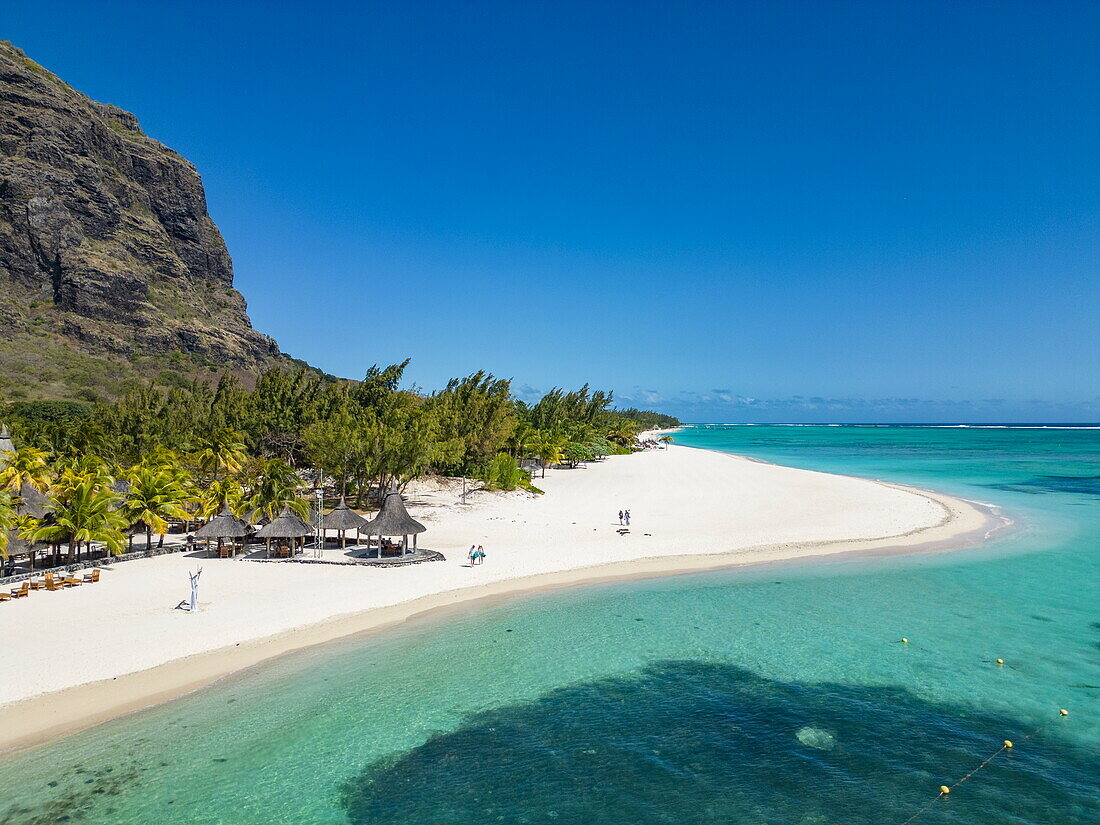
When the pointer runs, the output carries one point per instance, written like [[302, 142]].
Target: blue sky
[[731, 211]]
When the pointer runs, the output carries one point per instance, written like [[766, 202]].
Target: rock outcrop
[[111, 270]]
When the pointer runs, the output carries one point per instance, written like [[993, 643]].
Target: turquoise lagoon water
[[777, 694]]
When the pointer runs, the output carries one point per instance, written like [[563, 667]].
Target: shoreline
[[49, 716]]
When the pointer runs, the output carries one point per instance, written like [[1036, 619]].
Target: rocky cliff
[[111, 270]]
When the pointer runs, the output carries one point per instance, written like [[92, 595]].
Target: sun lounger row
[[50, 582]]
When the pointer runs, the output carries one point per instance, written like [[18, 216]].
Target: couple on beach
[[476, 555], [624, 517]]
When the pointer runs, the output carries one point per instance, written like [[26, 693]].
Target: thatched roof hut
[[225, 525], [394, 520], [32, 502], [342, 518], [19, 546], [29, 501], [289, 525]]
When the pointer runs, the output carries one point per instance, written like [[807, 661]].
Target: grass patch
[[117, 127]]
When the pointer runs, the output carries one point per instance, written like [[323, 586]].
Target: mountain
[[111, 270]]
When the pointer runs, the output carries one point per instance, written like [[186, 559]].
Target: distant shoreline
[[869, 425], [556, 531]]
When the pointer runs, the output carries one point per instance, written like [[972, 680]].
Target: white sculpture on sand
[[194, 606]]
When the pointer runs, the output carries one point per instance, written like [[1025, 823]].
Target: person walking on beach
[[472, 556], [480, 555], [626, 514], [620, 517]]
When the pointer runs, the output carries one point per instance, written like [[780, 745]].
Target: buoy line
[[1007, 745]]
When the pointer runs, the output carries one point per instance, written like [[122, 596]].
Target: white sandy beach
[[126, 647]]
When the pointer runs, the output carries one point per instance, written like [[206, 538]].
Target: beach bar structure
[[393, 520], [289, 526], [223, 526], [342, 519]]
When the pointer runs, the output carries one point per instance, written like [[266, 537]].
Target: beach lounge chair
[[93, 576], [37, 584], [5, 596], [20, 592], [53, 584]]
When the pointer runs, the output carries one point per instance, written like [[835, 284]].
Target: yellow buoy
[[1000, 661], [944, 789], [1008, 743], [1063, 712], [906, 641]]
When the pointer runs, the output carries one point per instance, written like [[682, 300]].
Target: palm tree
[[548, 445], [622, 432], [277, 488], [523, 439], [83, 511], [156, 494], [223, 453], [26, 466], [218, 494]]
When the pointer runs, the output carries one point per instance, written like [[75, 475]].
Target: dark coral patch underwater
[[690, 742]]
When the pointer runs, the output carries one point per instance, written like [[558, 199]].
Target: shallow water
[[775, 694]]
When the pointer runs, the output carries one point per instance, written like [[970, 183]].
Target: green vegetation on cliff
[[111, 270]]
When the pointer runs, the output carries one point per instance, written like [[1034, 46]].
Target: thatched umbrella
[[225, 525], [343, 518], [289, 525], [393, 520]]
